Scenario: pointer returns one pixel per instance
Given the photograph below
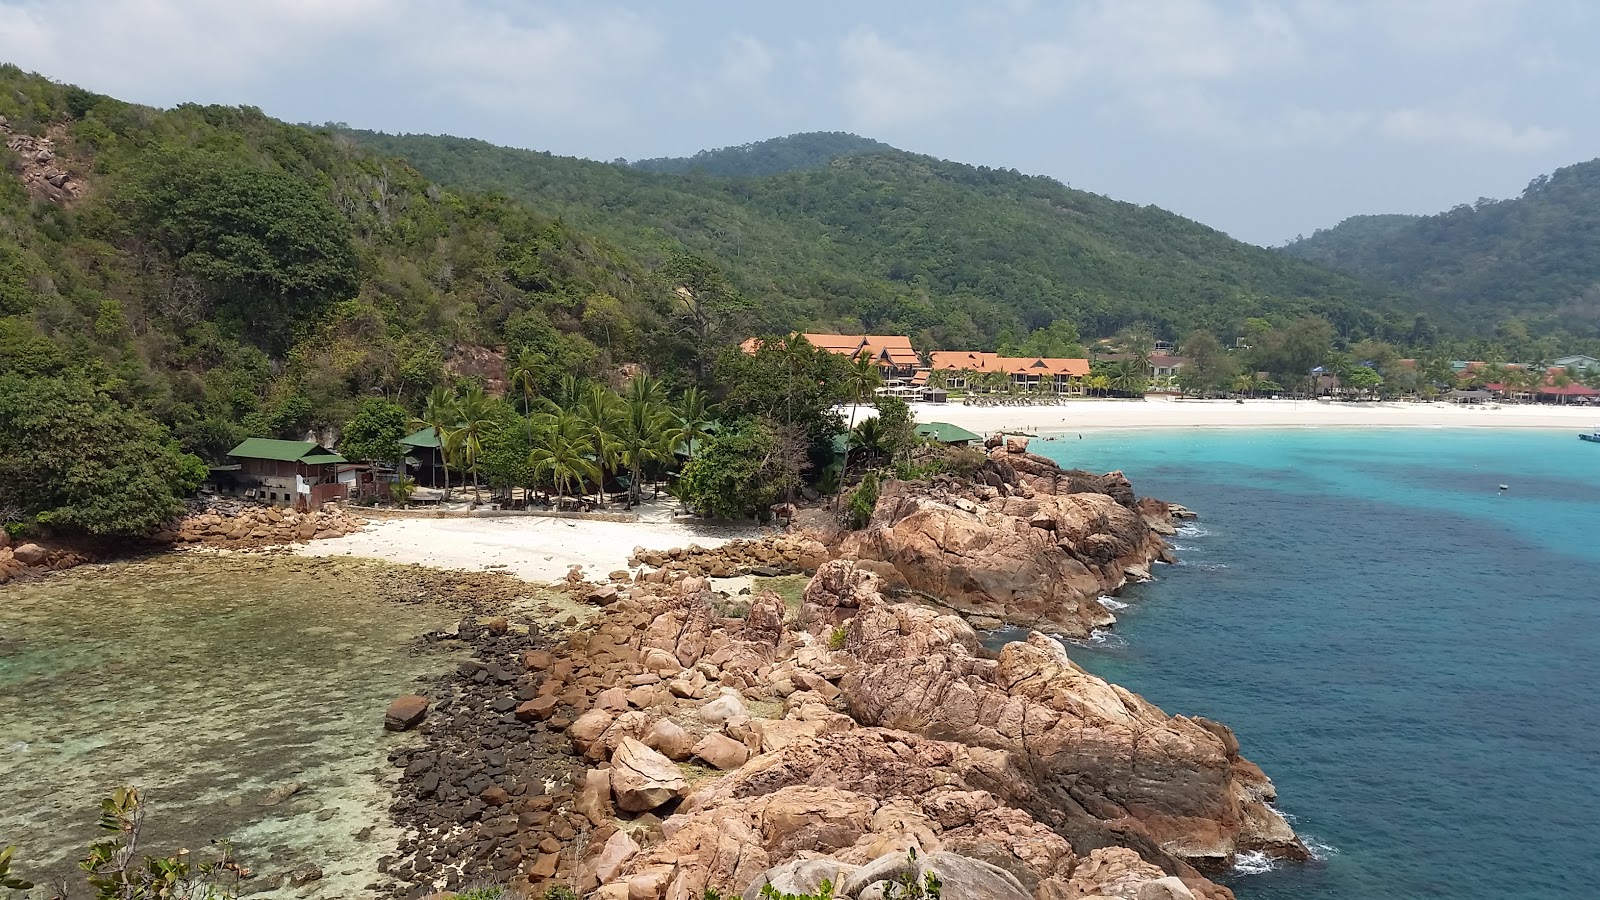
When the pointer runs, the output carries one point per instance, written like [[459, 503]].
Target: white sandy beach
[[1167, 412], [534, 548]]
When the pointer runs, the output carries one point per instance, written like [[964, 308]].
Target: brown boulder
[[669, 739], [641, 778], [593, 800], [1121, 758], [536, 710], [721, 751], [764, 623], [406, 712], [30, 554]]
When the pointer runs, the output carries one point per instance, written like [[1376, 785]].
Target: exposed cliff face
[[1029, 543]]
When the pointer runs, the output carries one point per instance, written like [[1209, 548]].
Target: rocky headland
[[685, 739]]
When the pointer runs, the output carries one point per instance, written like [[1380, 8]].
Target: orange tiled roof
[[836, 343], [956, 360]]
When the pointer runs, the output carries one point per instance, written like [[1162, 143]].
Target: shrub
[[836, 638], [863, 500]]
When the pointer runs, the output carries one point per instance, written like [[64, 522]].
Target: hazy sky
[[1263, 119]]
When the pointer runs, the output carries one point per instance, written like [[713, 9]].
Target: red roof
[[1571, 390]]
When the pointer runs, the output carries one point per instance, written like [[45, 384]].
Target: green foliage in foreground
[[117, 871], [74, 459]]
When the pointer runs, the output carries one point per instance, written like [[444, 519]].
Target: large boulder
[[998, 561], [30, 554], [1180, 780], [642, 779]]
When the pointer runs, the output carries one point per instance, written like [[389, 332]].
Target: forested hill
[[769, 157], [954, 255], [225, 275], [1535, 257]]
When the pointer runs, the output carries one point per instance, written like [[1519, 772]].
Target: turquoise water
[[1411, 653]]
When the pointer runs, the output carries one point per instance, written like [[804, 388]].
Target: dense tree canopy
[[893, 242], [1534, 257], [75, 460]]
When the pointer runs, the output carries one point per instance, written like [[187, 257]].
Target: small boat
[[1591, 436]]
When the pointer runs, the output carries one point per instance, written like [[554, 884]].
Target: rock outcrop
[[45, 176], [250, 527], [29, 558], [1029, 543], [1101, 757], [881, 727]]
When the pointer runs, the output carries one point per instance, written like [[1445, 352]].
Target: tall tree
[[439, 413], [562, 453], [600, 410]]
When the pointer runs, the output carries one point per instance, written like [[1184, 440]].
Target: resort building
[[300, 474], [979, 370], [1580, 364]]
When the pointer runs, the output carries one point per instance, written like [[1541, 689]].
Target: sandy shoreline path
[[534, 548], [1166, 412]]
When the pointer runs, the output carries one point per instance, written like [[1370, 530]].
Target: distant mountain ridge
[[1535, 256], [896, 242], [773, 156]]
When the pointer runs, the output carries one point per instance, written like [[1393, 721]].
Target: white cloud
[[887, 84], [1466, 129], [522, 59]]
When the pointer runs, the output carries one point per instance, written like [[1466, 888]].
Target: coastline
[[1153, 413]]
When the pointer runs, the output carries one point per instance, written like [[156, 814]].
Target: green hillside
[[1535, 258], [225, 274], [955, 255], [769, 157]]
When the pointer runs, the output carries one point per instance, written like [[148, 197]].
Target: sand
[[1167, 412], [534, 548]]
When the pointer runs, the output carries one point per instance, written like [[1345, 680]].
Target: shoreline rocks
[[841, 736]]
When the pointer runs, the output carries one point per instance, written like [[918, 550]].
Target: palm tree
[[644, 435], [939, 379], [474, 417], [869, 437], [439, 414], [860, 381], [692, 419], [562, 453], [1247, 383], [1128, 376], [600, 411], [567, 393]]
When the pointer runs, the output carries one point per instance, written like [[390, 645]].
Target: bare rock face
[[838, 590], [764, 623], [733, 840], [1177, 781], [1040, 562], [642, 779]]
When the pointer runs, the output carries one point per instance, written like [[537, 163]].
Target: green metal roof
[[285, 451], [421, 438], [945, 433]]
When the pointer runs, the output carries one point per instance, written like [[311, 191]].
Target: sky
[[1263, 119]]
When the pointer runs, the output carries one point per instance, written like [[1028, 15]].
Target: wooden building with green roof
[[299, 474]]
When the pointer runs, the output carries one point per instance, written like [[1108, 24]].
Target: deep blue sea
[[1412, 654]]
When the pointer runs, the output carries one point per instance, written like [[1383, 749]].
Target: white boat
[[1591, 436]]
